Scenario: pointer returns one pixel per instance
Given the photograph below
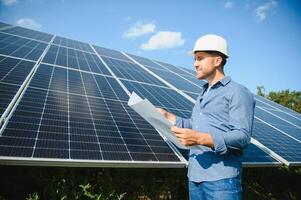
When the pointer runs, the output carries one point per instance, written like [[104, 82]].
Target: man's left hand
[[189, 137]]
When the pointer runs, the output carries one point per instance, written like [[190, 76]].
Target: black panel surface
[[79, 116], [21, 47], [75, 59], [28, 33], [12, 75]]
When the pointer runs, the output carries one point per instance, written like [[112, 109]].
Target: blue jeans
[[225, 189]]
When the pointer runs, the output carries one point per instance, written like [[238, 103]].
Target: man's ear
[[218, 60]]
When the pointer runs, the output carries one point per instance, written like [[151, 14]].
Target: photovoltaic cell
[[254, 154], [278, 122], [177, 81], [146, 62], [110, 53], [7, 93], [161, 97], [31, 34], [75, 59], [193, 95], [14, 71], [131, 71], [12, 74], [263, 102], [288, 117], [286, 147], [20, 47], [185, 73], [72, 44]]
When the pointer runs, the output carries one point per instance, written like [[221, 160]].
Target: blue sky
[[264, 36]]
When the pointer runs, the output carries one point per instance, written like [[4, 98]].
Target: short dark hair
[[224, 57]]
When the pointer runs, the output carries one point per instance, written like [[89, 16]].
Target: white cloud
[[261, 11], [139, 29], [9, 2], [228, 4], [164, 40], [29, 23]]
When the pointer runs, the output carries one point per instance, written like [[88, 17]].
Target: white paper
[[149, 112]]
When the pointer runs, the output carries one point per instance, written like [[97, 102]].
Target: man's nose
[[196, 64]]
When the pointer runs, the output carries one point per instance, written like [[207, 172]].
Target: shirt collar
[[224, 81]]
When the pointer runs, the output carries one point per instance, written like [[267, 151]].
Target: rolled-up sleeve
[[183, 122], [241, 116]]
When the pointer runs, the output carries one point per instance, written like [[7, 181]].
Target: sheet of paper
[[149, 112]]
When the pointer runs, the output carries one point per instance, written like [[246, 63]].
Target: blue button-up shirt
[[226, 112]]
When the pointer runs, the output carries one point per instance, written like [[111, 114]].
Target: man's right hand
[[169, 116]]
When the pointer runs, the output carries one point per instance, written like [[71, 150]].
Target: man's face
[[205, 65]]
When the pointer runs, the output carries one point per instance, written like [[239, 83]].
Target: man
[[221, 124]]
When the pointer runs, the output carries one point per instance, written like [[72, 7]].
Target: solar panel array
[[64, 103]]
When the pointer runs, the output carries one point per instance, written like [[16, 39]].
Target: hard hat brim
[[192, 52]]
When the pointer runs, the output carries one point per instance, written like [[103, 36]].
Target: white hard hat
[[211, 42]]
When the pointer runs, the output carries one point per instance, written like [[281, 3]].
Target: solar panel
[[28, 33], [277, 141], [72, 122], [12, 75], [7, 92], [161, 97], [146, 62], [270, 105], [172, 77], [188, 74], [72, 44], [280, 123], [254, 156], [21, 47], [76, 59], [110, 53], [68, 107], [130, 71]]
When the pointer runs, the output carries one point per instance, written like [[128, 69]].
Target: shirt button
[[201, 113], [196, 126]]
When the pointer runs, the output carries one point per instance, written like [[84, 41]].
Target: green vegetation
[[33, 183], [19, 182], [289, 99]]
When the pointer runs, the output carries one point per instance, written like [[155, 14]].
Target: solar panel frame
[[11, 105]]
